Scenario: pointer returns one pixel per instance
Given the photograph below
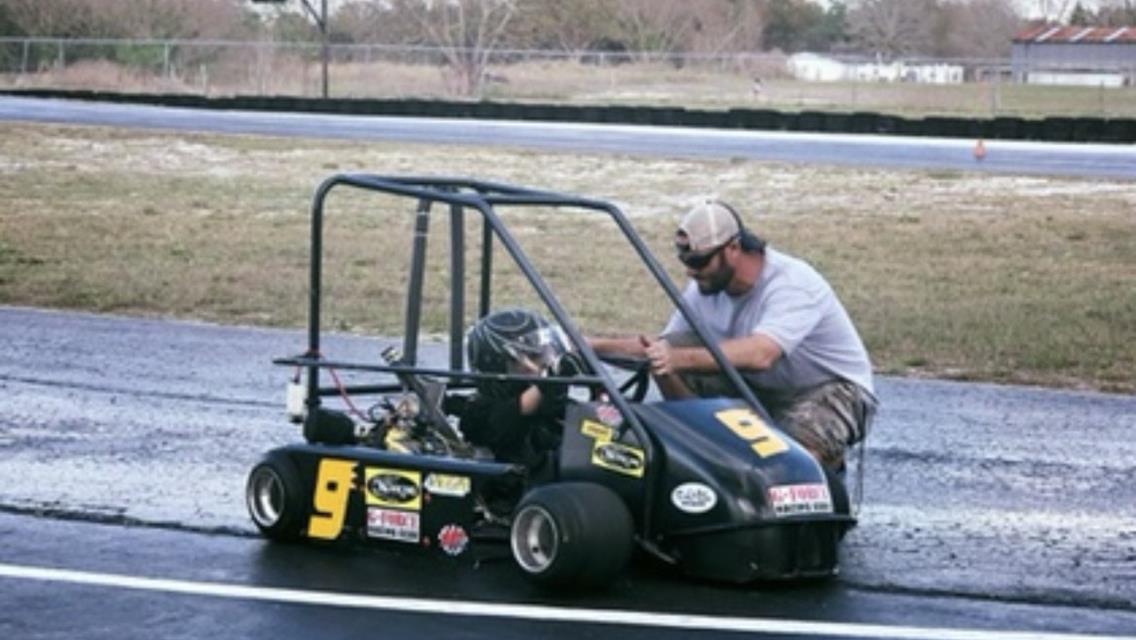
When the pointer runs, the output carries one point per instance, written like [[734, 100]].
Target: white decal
[[794, 499], [694, 497], [441, 484], [391, 524]]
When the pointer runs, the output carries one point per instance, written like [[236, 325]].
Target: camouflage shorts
[[828, 419]]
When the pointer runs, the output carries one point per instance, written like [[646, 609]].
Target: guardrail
[[1053, 129]]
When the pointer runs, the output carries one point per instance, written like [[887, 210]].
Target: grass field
[[703, 86], [957, 275]]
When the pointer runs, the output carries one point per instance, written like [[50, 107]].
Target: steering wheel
[[635, 387]]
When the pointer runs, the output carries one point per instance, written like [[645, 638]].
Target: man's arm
[[755, 352], [623, 346]]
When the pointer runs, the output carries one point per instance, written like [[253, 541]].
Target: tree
[[655, 25], [803, 25], [1081, 17], [893, 28], [1117, 13], [565, 25], [57, 19], [465, 31], [375, 22], [980, 28]]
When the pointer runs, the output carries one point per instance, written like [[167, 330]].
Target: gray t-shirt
[[794, 306]]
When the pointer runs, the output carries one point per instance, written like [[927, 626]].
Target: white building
[[813, 67]]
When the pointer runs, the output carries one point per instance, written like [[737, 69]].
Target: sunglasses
[[698, 261]]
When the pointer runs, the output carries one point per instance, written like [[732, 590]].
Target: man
[[774, 318]]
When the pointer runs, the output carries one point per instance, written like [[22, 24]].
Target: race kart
[[709, 486]]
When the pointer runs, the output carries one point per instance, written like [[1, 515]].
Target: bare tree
[[567, 25], [375, 21], [465, 31], [60, 18], [980, 28], [727, 25], [1116, 13], [891, 28], [1055, 10], [186, 19], [655, 25]]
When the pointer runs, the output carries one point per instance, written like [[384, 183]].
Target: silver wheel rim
[[265, 496], [535, 539]]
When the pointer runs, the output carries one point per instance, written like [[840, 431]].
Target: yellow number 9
[[333, 485], [749, 427]]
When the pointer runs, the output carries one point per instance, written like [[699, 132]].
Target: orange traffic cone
[[979, 150]]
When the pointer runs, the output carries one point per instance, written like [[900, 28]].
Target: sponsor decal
[[796, 499], [391, 524], [442, 484], [453, 539], [618, 457], [394, 488], [693, 497], [609, 415], [596, 431]]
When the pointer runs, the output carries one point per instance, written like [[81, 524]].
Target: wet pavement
[[1005, 494]]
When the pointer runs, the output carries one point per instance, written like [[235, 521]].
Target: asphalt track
[[124, 444], [990, 512], [1002, 156]]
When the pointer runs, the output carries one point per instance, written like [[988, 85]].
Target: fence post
[[166, 60], [24, 60], [59, 62]]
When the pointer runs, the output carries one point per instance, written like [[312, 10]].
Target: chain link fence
[[766, 80]]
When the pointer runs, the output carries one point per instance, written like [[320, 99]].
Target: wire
[[338, 385], [346, 398]]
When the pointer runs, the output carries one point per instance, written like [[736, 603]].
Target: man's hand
[[659, 355]]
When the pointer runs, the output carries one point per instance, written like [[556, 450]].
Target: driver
[[518, 421]]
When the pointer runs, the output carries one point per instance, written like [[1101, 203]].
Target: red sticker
[[609, 415], [453, 539]]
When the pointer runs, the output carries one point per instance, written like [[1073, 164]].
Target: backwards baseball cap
[[707, 226]]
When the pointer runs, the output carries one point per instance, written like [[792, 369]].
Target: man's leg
[[828, 419]]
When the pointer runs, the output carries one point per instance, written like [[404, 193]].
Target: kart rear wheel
[[275, 498], [572, 535]]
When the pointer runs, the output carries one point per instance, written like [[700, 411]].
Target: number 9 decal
[[749, 427], [333, 485]]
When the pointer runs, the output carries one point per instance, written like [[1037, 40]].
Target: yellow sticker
[[397, 488], [596, 431], [619, 458]]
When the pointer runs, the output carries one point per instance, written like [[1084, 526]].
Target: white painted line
[[528, 612]]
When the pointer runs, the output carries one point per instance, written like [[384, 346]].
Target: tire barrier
[[1051, 129]]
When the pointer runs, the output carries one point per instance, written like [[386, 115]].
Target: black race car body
[[710, 486]]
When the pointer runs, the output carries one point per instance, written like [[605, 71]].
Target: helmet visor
[[536, 351]]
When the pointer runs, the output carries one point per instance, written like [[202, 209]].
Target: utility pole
[[320, 18]]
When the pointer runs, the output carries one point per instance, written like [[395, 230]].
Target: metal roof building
[[1075, 55]]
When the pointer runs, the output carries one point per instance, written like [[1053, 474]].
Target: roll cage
[[483, 198]]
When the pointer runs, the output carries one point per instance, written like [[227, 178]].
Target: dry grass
[[712, 86], [959, 275]]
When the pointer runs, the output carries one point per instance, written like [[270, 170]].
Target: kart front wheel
[[276, 498], [573, 535]]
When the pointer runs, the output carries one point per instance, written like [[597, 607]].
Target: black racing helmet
[[515, 341]]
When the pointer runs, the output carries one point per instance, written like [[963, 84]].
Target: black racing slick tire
[[571, 536], [276, 498]]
